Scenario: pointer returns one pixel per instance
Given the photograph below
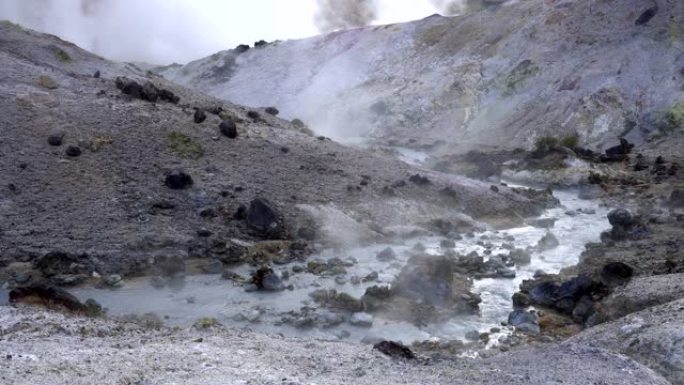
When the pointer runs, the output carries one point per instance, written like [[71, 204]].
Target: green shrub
[[546, 143], [570, 141], [675, 116], [183, 146], [62, 56]]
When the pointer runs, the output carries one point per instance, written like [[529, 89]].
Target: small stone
[[361, 320], [472, 335], [204, 233], [228, 128], [200, 116], [178, 180], [548, 242], [73, 151], [272, 111], [419, 180], [371, 277], [386, 255], [55, 138], [253, 115], [48, 82], [96, 75], [113, 280]]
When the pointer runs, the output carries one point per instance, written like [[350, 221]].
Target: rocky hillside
[[106, 173], [501, 77]]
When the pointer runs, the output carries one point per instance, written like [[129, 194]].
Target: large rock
[[639, 294], [263, 217], [654, 337]]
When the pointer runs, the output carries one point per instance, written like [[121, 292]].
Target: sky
[[166, 31]]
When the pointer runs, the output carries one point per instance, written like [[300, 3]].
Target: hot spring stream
[[212, 296]]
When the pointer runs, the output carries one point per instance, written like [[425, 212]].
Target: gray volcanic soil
[[50, 349], [108, 209]]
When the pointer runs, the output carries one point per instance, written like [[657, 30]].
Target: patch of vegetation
[[546, 144], [521, 73], [206, 323], [674, 117], [183, 146], [62, 56], [98, 141], [570, 141], [47, 82]]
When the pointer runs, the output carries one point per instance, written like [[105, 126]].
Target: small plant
[[570, 141], [98, 141], [546, 143], [183, 146], [63, 56], [675, 116], [47, 82], [206, 323]]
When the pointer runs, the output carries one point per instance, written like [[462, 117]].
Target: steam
[[155, 31], [449, 7], [333, 15]]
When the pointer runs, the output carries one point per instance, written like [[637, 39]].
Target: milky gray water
[[211, 296]]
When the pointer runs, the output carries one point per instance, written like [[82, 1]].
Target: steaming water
[[211, 296]]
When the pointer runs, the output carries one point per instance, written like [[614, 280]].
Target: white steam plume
[[157, 31], [333, 15]]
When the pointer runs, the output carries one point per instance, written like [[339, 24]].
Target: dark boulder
[[240, 213], [260, 44], [129, 87], [571, 291], [61, 263], [53, 298], [524, 321], [254, 115], [178, 180], [272, 111], [620, 217], [625, 226], [73, 151], [419, 180], [616, 273], [646, 16], [394, 350], [619, 152], [263, 217], [266, 279], [199, 116], [229, 128], [386, 255], [168, 96], [548, 242], [242, 48], [149, 92], [56, 138], [96, 75], [544, 293]]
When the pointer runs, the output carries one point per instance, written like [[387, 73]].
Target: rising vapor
[[333, 15], [156, 31]]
